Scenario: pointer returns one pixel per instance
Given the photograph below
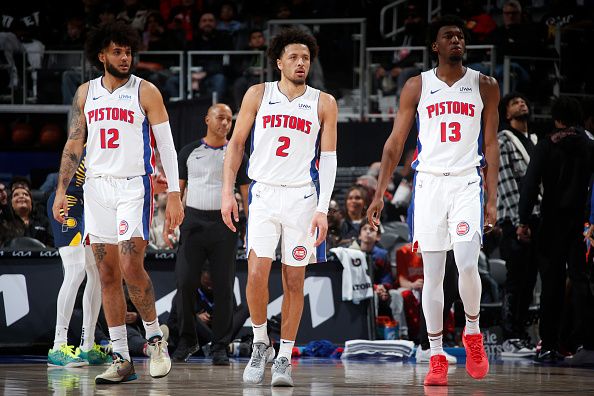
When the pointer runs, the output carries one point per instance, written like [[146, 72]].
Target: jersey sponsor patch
[[299, 253], [123, 227], [462, 228]]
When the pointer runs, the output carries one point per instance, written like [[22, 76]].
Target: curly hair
[[101, 37], [505, 101], [291, 36], [447, 20]]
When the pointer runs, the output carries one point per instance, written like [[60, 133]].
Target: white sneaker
[[160, 362], [281, 372], [425, 356], [254, 371]]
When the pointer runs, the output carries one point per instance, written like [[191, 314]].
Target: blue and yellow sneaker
[[64, 357], [95, 356]]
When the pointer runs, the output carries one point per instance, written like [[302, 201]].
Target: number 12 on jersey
[[454, 132], [109, 138]]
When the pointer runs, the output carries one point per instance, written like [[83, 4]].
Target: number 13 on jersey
[[450, 132]]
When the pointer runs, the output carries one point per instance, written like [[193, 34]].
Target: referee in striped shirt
[[204, 236]]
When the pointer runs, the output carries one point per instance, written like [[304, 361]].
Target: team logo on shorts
[[299, 253], [123, 227], [462, 228], [69, 223]]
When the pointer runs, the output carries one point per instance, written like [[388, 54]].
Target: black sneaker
[[220, 358], [184, 350], [548, 357], [582, 358]]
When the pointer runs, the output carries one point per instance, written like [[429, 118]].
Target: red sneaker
[[438, 371], [477, 364]]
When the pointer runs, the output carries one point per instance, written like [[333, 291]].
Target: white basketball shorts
[[286, 213], [446, 209], [117, 209]]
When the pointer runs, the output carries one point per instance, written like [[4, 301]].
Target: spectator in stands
[[252, 67], [516, 37], [5, 211], [213, 76], [182, 18], [227, 22], [409, 268], [390, 77], [156, 240], [354, 209], [26, 221], [334, 222], [134, 13], [516, 145], [563, 162]]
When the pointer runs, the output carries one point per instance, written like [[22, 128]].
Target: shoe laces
[[281, 364], [438, 366], [476, 350], [258, 355], [67, 350]]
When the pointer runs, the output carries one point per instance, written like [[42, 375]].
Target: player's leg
[[263, 233], [466, 225], [88, 350], [73, 263]]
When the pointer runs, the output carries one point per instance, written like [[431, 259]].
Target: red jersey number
[[285, 143], [454, 132], [109, 138]]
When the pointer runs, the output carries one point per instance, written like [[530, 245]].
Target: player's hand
[[159, 184], [229, 207], [374, 212], [60, 207], [523, 233], [319, 221], [174, 214], [588, 234], [418, 284], [169, 237], [131, 317], [490, 216]]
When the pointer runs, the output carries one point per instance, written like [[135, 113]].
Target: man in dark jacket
[[563, 162]]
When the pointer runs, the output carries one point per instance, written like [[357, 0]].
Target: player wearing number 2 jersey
[[122, 116], [456, 113], [293, 166]]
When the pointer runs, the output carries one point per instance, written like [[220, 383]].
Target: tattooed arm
[[72, 153]]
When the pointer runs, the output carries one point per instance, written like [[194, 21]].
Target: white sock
[[91, 301], [152, 329], [73, 263], [286, 349], [261, 333], [119, 341], [435, 343], [472, 326]]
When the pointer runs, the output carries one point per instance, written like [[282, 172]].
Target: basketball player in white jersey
[[123, 116], [290, 193], [456, 111]]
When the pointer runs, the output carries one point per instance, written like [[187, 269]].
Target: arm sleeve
[[327, 178], [162, 133], [531, 182]]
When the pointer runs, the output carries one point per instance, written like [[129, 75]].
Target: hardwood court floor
[[318, 377]]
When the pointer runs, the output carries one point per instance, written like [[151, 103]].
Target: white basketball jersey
[[450, 124], [120, 142], [285, 138]]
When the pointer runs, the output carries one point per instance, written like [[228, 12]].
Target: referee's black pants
[[204, 236]]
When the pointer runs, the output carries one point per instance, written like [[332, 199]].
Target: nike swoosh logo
[[273, 102], [200, 157], [472, 182], [286, 342], [97, 97], [437, 90], [307, 196]]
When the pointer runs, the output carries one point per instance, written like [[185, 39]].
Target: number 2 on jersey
[[454, 135], [285, 143], [112, 141]]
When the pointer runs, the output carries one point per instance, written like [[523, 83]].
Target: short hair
[[291, 36], [447, 20], [100, 37], [513, 3], [365, 222], [568, 111], [507, 99]]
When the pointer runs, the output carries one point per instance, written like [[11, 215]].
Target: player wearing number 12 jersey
[[122, 117], [457, 119], [293, 166]]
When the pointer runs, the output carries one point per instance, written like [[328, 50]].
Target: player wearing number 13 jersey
[[292, 165], [456, 113]]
